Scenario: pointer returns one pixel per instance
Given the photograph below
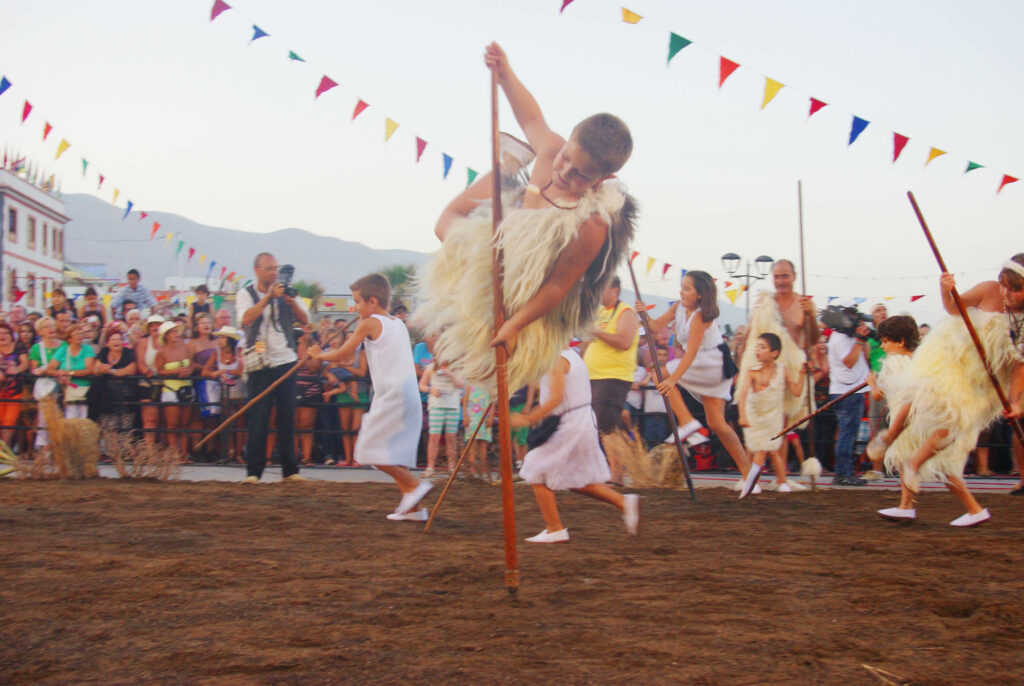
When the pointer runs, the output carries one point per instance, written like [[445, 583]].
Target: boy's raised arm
[[524, 106]]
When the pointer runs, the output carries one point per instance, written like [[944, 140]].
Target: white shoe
[[783, 488], [750, 482], [631, 513], [898, 514], [696, 438], [872, 475], [413, 497], [417, 516], [550, 537], [972, 519], [251, 480], [683, 431], [795, 486], [427, 473]]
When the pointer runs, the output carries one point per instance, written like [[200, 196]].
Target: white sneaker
[[631, 513], [898, 514], [251, 480], [417, 516], [550, 537], [683, 431], [427, 473], [696, 438], [750, 482], [972, 519], [872, 475], [783, 488], [413, 497]]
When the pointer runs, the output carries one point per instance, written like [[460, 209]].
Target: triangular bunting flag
[[100, 185], [971, 166], [857, 128], [832, 297], [421, 145], [1007, 179], [116, 193], [231, 276], [257, 33], [4, 85], [295, 58], [633, 255], [168, 237], [932, 154], [218, 7], [914, 298], [85, 165], [326, 84], [725, 70], [565, 3], [675, 44], [25, 111], [447, 163], [728, 284], [731, 294], [360, 106], [390, 126], [771, 89], [630, 17], [650, 263], [202, 258], [889, 297], [815, 106], [470, 175], [142, 215], [46, 130], [213, 263], [222, 270], [127, 210], [64, 145], [898, 143], [682, 273], [664, 270], [858, 301], [181, 244]]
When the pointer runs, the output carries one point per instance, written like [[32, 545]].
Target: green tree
[[402, 277], [308, 289]]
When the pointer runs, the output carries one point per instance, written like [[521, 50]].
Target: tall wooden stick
[[455, 469], [245, 408], [967, 320], [808, 322], [501, 359], [670, 415], [821, 409]]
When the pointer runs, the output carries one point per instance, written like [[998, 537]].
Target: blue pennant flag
[[257, 33], [857, 128], [128, 210], [447, 165], [4, 85]]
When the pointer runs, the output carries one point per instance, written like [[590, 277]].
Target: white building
[[32, 235]]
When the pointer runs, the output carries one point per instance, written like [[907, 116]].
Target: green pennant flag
[[85, 163], [971, 166], [470, 175], [217, 301], [181, 244], [675, 44], [293, 56]]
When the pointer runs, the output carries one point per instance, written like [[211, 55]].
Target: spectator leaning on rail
[[268, 316], [135, 292]]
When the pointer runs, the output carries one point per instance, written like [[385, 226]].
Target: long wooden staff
[[809, 325], [821, 409], [508, 510], [455, 469], [245, 408], [967, 320], [645, 320]]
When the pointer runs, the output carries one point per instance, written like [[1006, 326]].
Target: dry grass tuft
[[631, 455], [665, 467], [74, 446], [136, 459]]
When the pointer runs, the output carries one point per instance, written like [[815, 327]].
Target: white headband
[[1014, 267]]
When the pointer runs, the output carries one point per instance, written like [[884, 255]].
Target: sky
[[184, 115]]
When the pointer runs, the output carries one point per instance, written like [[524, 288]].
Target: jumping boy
[[562, 240], [390, 432]]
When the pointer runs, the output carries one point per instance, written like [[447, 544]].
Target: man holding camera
[[268, 312], [848, 365]]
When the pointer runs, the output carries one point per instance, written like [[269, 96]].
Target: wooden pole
[[1015, 423], [455, 470], [821, 409], [501, 359], [645, 320], [245, 408], [808, 323]]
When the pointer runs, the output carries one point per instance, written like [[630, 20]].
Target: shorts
[[609, 399], [9, 412], [443, 420], [519, 435]]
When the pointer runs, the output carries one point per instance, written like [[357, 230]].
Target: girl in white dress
[[761, 400], [701, 368], [390, 432], [571, 458]]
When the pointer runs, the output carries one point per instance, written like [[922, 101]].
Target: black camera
[[284, 276], [845, 320]]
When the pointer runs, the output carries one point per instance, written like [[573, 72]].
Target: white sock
[[687, 429]]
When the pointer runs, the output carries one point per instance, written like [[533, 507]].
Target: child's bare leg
[[938, 440], [604, 494], [798, 448], [906, 498], [758, 457], [779, 465], [957, 486], [899, 419], [404, 479], [714, 408], [548, 508], [451, 449], [433, 444]]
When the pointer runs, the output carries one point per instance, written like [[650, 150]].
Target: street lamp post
[[731, 262]]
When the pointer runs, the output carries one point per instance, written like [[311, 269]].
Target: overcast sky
[[184, 116]]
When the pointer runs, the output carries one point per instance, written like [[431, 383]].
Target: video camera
[[284, 276], [846, 320]]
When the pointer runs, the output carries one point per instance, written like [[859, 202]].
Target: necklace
[[552, 202]]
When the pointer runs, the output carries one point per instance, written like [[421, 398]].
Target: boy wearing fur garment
[[562, 238]]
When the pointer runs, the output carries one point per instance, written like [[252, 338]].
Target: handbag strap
[[574, 408]]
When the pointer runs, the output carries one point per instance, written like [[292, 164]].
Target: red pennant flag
[[25, 110], [142, 215], [565, 3], [727, 67], [1007, 179], [191, 252], [218, 7], [326, 84], [915, 297], [815, 106], [46, 130], [231, 276], [156, 227], [633, 256], [101, 183], [664, 269], [18, 295], [360, 106], [421, 145], [898, 143], [728, 284], [222, 270]]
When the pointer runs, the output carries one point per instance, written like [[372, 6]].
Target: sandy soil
[[114, 582]]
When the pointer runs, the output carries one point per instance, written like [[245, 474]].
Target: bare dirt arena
[[117, 582]]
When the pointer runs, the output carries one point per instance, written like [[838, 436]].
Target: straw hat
[[228, 332], [155, 319], [164, 328]]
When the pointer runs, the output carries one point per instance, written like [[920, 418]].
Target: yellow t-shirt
[[602, 360]]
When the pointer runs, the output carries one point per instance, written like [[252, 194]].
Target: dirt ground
[[116, 582]]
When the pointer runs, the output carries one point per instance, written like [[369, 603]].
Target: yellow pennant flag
[[64, 145], [771, 89], [202, 258], [116, 193], [933, 153], [308, 302], [650, 263], [630, 17], [889, 297], [390, 126], [731, 294], [167, 241]]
